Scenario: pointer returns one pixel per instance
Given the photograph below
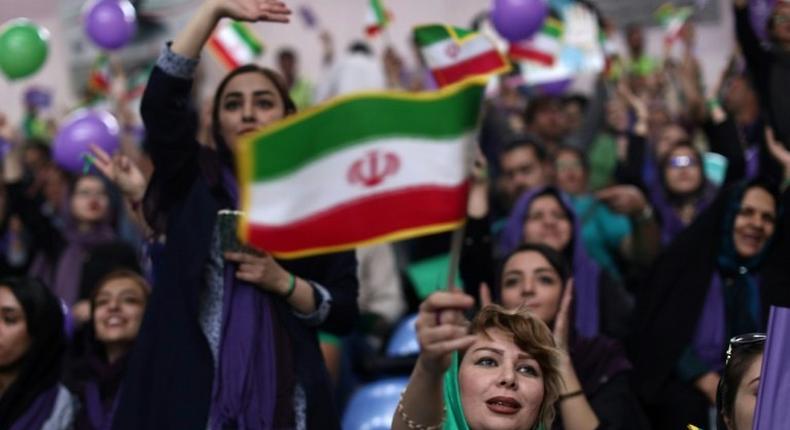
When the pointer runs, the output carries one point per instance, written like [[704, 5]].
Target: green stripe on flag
[[552, 27], [429, 34], [378, 10], [248, 37], [357, 120]]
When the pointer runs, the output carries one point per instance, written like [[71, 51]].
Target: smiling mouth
[[503, 405], [246, 130]]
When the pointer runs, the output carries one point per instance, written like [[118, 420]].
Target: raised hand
[[121, 171], [441, 329], [562, 322], [253, 10], [778, 151], [623, 199]]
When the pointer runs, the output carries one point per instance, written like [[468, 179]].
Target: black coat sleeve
[[616, 406]]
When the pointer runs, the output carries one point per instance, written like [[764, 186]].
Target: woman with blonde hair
[[499, 372]]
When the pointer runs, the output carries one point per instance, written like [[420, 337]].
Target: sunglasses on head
[[741, 341], [682, 161]]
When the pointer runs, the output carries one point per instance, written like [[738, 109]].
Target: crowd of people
[[611, 276]]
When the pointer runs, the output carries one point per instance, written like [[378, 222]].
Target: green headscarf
[[455, 419]]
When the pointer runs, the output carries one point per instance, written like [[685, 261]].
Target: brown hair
[[532, 336], [120, 274]]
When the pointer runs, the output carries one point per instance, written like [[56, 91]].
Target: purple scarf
[[585, 272], [39, 411], [68, 272], [710, 333], [671, 224], [245, 383]]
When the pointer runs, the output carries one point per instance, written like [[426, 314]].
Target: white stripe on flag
[[235, 45], [448, 52], [324, 184]]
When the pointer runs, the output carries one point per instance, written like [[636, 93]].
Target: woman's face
[[754, 222], [780, 31], [571, 177], [250, 101], [746, 397], [683, 171], [529, 279], [119, 307], [14, 338], [501, 385], [547, 223], [89, 203]]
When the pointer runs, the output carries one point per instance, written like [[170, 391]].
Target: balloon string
[[88, 162]]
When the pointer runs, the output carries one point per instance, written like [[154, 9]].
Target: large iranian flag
[[453, 53], [543, 48], [361, 169]]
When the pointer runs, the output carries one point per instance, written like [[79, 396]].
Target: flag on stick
[[377, 19], [454, 54], [100, 75], [359, 170], [673, 19], [234, 44]]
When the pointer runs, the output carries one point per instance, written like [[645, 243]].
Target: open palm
[[121, 171], [254, 10]]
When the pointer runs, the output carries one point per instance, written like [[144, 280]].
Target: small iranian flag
[[377, 19], [234, 44], [359, 170], [672, 19], [100, 75], [453, 53], [543, 48]]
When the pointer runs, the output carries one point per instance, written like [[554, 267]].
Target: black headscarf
[[40, 367]]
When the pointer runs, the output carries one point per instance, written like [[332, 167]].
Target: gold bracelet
[[416, 426]]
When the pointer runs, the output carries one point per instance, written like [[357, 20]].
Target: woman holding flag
[[229, 336]]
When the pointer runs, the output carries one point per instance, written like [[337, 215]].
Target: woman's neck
[[115, 351], [6, 379]]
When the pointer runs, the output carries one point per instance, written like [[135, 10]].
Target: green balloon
[[23, 48]]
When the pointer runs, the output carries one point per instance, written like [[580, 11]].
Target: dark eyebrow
[[546, 269], [232, 94], [752, 381], [263, 93], [488, 348]]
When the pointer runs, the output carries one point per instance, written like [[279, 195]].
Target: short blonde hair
[[532, 336]]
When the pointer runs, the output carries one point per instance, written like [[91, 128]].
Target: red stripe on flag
[[222, 54], [365, 219], [527, 53], [486, 62]]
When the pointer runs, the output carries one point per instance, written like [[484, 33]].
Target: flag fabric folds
[[453, 54], [234, 44], [361, 169], [544, 48]]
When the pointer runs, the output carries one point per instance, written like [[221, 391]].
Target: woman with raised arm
[[229, 337]]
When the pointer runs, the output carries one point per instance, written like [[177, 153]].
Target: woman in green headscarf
[[500, 372]]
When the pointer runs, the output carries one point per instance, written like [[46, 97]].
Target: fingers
[[100, 153], [444, 300], [567, 297], [442, 333], [485, 295], [607, 193], [242, 257], [448, 346]]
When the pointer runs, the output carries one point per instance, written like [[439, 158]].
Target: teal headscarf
[[455, 419]]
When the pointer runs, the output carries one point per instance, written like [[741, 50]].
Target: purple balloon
[[517, 20], [759, 11], [81, 129], [110, 24]]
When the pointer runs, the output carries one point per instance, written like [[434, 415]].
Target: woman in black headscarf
[[706, 287], [32, 341]]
